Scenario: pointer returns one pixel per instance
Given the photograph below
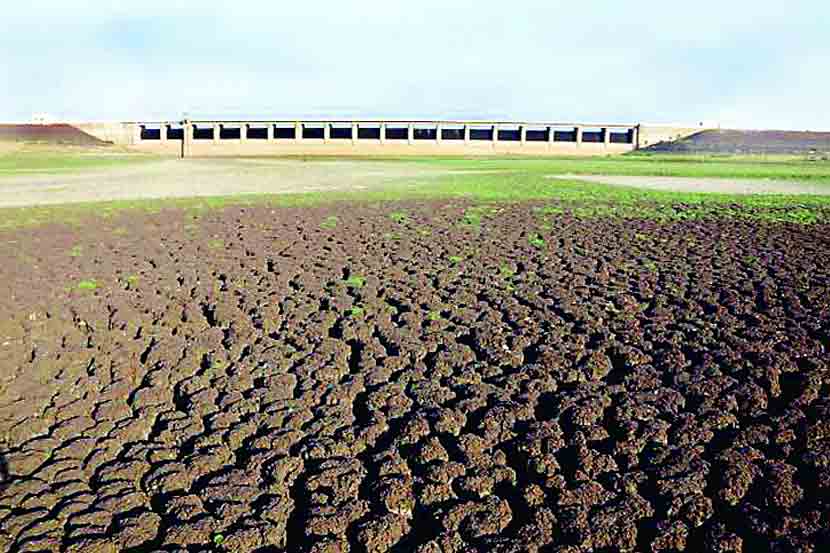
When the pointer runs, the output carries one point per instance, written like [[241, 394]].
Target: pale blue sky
[[748, 64]]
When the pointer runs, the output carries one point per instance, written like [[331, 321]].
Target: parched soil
[[270, 380]]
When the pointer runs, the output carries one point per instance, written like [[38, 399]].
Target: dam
[[380, 137], [355, 137]]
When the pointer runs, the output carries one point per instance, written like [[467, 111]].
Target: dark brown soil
[[265, 380], [727, 141], [57, 133]]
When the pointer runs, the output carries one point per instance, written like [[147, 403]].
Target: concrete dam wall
[[209, 138], [342, 137]]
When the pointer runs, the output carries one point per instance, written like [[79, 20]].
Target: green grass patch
[[54, 160], [638, 164], [87, 285], [487, 182], [399, 217], [536, 241], [506, 272], [550, 210], [473, 216], [355, 281]]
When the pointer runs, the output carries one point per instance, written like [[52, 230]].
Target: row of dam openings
[[373, 132]]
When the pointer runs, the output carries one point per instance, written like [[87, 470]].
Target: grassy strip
[[583, 199], [814, 172], [635, 164], [49, 161]]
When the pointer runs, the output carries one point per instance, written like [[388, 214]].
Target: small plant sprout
[[89, 284], [536, 241], [216, 244], [329, 222], [472, 218], [355, 281], [455, 259], [399, 217], [76, 251], [356, 311], [434, 316], [218, 539], [506, 272], [552, 210]]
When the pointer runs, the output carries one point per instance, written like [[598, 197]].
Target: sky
[[735, 63]]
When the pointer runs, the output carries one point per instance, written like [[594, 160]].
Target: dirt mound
[[50, 134], [747, 142], [414, 378]]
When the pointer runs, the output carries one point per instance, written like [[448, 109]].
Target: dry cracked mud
[[338, 379]]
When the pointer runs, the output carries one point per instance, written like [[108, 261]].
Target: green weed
[[399, 217], [329, 222], [50, 160], [550, 210], [536, 241], [473, 216], [650, 266], [355, 281], [87, 285]]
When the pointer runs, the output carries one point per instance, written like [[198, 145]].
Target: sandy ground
[[215, 177], [702, 184]]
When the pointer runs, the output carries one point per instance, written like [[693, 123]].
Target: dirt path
[[215, 177], [704, 184]]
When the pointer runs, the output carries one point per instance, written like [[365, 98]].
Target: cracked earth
[[334, 379]]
